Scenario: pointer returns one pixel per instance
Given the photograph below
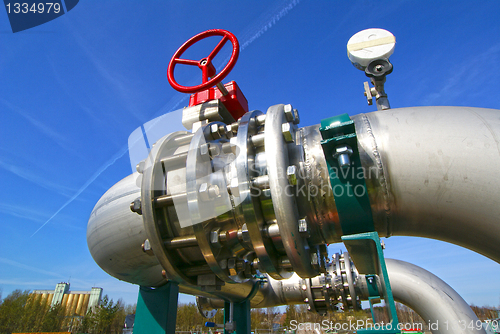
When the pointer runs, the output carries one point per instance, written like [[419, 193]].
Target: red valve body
[[235, 102]]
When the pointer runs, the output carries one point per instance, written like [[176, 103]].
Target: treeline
[[189, 319], [406, 315], [484, 313], [24, 312]]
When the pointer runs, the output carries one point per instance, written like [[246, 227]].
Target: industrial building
[[76, 303]]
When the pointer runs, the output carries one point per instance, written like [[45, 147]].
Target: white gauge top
[[368, 45]]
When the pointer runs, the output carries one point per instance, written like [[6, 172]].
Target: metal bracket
[[340, 146], [347, 179], [367, 254], [241, 312]]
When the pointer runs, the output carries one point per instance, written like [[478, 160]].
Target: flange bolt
[[343, 155]]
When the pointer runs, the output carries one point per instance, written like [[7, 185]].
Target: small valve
[[378, 68], [369, 51]]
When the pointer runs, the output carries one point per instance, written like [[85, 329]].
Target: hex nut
[[245, 235], [297, 117], [343, 150], [205, 152], [289, 114], [303, 228], [146, 247], [222, 130], [214, 149], [136, 206], [291, 174], [208, 192], [231, 266], [214, 237], [288, 132], [203, 192], [343, 154], [229, 133], [234, 187], [140, 166], [215, 132], [229, 148], [213, 191], [314, 259]]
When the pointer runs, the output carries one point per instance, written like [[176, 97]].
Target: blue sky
[[74, 89]]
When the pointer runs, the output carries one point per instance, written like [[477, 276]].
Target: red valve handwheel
[[205, 64]]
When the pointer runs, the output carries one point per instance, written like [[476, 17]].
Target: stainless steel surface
[[249, 206], [115, 235], [314, 194], [285, 207], [425, 176], [434, 300], [153, 185]]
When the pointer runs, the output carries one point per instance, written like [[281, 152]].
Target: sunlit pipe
[[433, 174], [436, 174], [435, 302]]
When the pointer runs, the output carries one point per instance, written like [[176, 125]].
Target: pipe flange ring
[[350, 280], [339, 284], [207, 197], [155, 220], [285, 207], [247, 203]]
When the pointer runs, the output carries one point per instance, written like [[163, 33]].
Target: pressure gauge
[[368, 45]]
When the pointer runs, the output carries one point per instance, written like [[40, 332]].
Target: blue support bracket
[[347, 181], [367, 254], [156, 311]]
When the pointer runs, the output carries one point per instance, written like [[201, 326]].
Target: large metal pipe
[[435, 174], [115, 235], [430, 172]]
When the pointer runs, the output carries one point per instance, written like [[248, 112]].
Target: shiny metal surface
[[115, 235], [314, 194], [153, 185], [285, 206], [434, 174], [430, 172], [248, 204], [434, 300]]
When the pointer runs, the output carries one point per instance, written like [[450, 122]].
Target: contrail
[[254, 35], [110, 162]]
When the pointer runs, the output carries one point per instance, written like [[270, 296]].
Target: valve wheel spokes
[[209, 76]]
